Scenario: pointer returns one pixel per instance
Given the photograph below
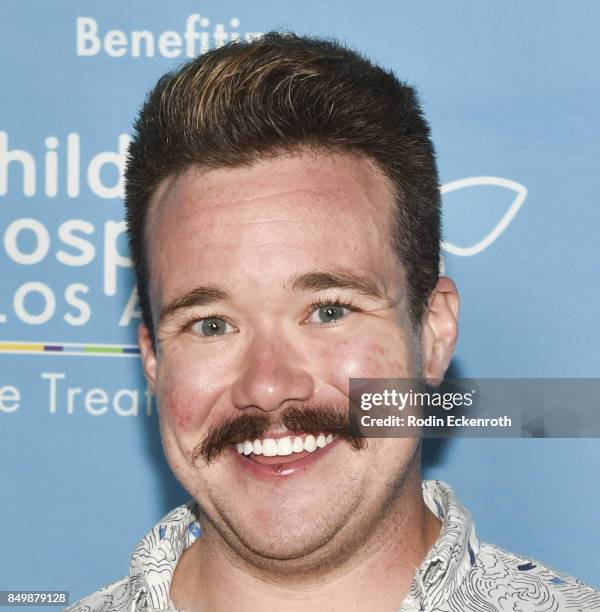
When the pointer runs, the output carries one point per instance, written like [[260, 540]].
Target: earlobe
[[148, 354], [439, 329]]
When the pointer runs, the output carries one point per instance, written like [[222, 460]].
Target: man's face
[[277, 283]]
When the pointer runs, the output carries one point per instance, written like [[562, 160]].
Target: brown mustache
[[312, 420]]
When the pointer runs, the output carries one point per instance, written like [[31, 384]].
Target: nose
[[271, 375]]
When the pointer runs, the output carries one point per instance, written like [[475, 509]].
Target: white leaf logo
[[496, 181]]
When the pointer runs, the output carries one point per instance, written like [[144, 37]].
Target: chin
[[297, 530], [286, 545]]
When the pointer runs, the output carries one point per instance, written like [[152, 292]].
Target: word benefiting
[[400, 399], [195, 40]]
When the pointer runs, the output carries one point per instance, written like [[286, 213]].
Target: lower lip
[[283, 470]]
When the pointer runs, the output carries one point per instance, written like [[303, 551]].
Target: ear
[[148, 355], [439, 329]]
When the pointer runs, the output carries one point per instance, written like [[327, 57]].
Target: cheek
[[185, 395], [365, 357], [180, 407]]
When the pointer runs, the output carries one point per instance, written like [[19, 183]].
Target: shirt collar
[[448, 561], [157, 554], [452, 555]]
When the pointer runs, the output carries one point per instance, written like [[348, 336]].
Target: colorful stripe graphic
[[70, 348]]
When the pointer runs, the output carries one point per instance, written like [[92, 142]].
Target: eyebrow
[[199, 296], [204, 295], [320, 280]]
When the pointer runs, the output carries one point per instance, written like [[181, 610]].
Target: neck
[[374, 576]]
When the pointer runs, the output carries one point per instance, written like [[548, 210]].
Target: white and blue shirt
[[459, 573]]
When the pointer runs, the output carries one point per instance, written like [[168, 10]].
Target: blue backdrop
[[511, 90]]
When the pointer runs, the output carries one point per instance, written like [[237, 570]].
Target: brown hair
[[248, 100]]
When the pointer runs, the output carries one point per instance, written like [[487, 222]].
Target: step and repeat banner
[[511, 90]]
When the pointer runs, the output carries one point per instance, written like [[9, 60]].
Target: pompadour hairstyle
[[250, 100]]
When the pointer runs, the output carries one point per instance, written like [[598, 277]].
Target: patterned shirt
[[459, 574]]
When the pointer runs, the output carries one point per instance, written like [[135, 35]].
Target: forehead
[[274, 218]]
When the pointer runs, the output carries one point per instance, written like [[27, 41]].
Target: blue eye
[[212, 326], [328, 313]]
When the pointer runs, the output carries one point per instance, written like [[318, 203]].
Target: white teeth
[[269, 447], [310, 444], [298, 445], [284, 446]]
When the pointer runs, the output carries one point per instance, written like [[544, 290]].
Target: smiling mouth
[[284, 451]]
